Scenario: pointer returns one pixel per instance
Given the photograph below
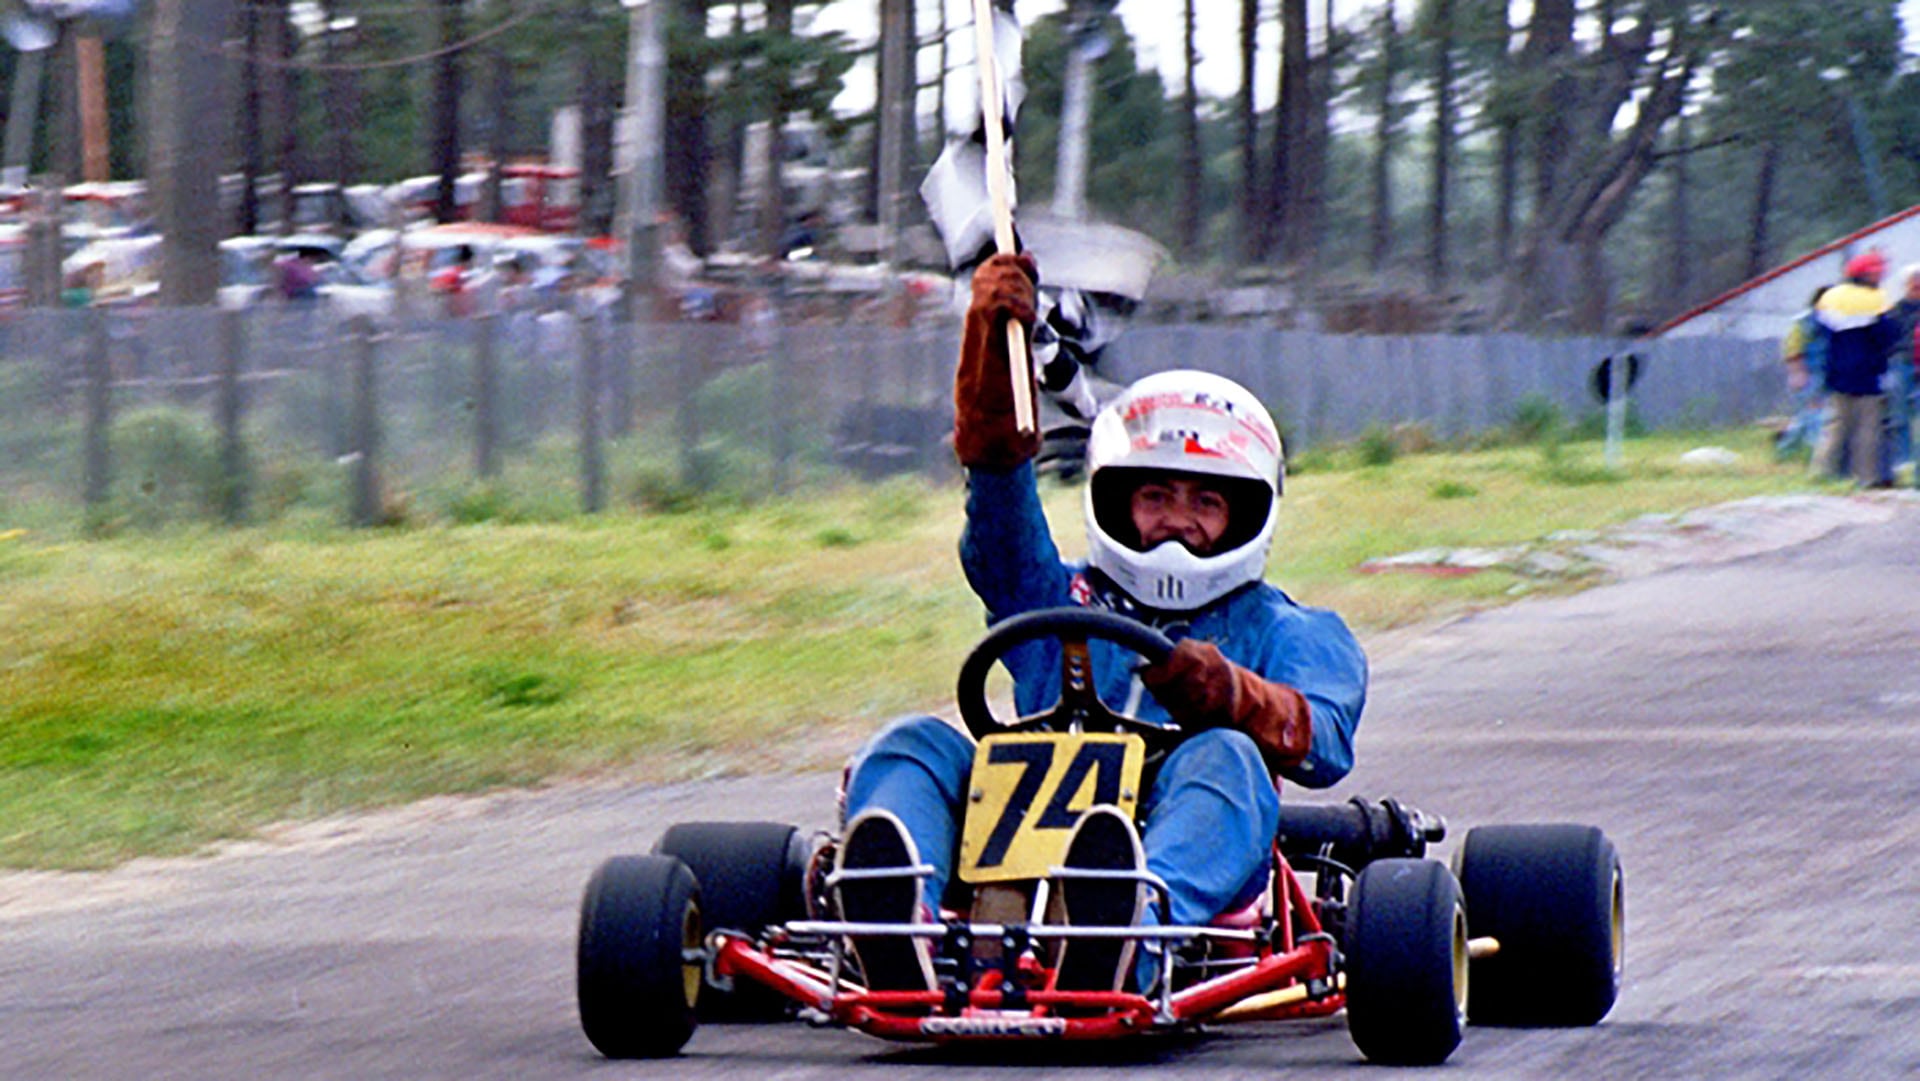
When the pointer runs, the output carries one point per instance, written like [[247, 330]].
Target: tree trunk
[[1506, 153], [1759, 245], [1549, 38], [63, 127], [940, 84], [248, 216], [723, 205], [339, 104], [499, 124], [446, 113], [1680, 255], [1443, 136], [286, 111], [1380, 239], [1191, 194], [185, 91], [1319, 143], [1076, 109], [894, 150], [1594, 298], [1290, 143], [773, 200], [1252, 210], [1507, 198], [598, 200], [687, 160]]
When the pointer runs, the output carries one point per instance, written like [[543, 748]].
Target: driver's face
[[1179, 508]]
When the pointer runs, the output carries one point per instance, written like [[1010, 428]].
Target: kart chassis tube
[[897, 1015], [1304, 959]]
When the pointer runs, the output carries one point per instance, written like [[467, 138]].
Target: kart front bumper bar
[[992, 1011]]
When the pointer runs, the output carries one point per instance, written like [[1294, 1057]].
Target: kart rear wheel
[[1555, 899], [752, 875], [638, 970], [1406, 962]]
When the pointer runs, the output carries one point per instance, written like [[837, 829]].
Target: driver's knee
[[925, 738], [922, 744], [1226, 763], [1219, 752]]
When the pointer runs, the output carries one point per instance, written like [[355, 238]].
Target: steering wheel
[[1079, 706]]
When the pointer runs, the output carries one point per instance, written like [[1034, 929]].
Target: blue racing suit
[[1212, 810]]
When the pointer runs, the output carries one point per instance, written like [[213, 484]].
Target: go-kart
[[734, 919]]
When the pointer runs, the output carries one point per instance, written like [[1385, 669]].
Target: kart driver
[[1184, 477]]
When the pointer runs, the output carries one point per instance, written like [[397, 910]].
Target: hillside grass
[[162, 690]]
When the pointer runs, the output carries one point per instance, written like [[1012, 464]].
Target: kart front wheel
[[1406, 963], [638, 975], [1554, 897], [752, 876]]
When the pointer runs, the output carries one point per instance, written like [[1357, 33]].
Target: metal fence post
[[688, 365], [486, 397], [592, 460], [230, 405], [620, 378], [366, 426], [96, 475], [339, 381], [785, 389]]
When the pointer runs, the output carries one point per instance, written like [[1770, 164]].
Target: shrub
[[480, 503], [166, 467], [1376, 447], [1413, 437], [1311, 460], [658, 488], [1536, 419]]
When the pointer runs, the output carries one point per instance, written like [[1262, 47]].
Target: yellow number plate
[[1028, 791]]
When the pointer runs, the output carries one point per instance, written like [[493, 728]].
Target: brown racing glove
[[984, 434], [1203, 689]]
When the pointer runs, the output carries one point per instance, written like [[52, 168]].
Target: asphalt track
[[1747, 732]]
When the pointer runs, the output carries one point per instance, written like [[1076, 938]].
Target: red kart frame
[[1294, 977]]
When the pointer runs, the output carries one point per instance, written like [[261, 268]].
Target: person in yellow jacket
[[1855, 323]]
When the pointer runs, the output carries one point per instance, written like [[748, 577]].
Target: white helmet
[[1184, 422]]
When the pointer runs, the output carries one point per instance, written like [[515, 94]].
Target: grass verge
[[159, 691]]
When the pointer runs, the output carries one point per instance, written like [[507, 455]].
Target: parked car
[[118, 270], [13, 266], [252, 266]]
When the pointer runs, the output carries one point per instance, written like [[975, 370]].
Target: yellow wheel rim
[[1462, 960], [690, 970]]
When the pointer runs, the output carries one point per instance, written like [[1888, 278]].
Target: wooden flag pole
[[993, 111]]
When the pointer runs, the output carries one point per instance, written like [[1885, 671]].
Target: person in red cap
[[1854, 320], [1868, 267]]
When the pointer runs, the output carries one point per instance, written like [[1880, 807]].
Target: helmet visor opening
[[1249, 502]]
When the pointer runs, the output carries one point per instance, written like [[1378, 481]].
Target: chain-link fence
[[156, 415], [1333, 387]]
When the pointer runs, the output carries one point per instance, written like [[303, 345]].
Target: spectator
[[1855, 324], [1901, 385], [455, 285], [1804, 353], [297, 276], [83, 285], [515, 283]]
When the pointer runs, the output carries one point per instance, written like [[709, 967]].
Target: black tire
[[1406, 962], [637, 988], [1555, 898], [752, 875]]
